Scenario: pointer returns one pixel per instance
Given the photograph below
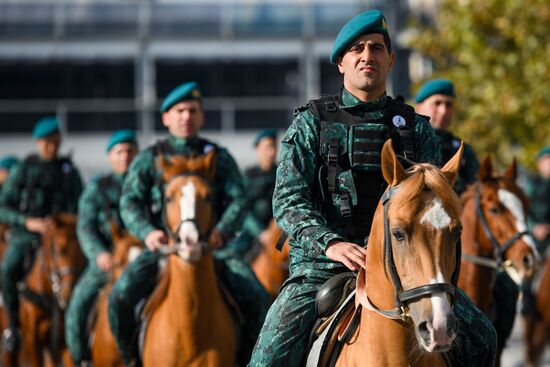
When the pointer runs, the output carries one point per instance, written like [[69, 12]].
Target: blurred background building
[[102, 65]]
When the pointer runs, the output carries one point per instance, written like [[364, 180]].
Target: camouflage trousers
[[21, 243], [140, 278], [82, 299], [285, 333]]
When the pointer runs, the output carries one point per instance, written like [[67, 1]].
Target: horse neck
[[38, 277], [194, 292]]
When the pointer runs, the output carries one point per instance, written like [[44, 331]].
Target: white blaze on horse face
[[436, 216], [515, 206], [190, 248], [441, 309]]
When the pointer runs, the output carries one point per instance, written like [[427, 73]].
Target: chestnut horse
[[189, 322], [48, 287], [271, 265], [537, 327], [104, 349], [405, 291], [7, 358], [494, 237]]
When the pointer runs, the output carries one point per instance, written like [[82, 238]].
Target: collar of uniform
[[181, 143], [119, 177], [349, 100]]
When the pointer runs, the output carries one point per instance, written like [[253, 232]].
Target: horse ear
[[115, 231], [210, 165], [451, 168], [511, 172], [485, 169], [392, 170]]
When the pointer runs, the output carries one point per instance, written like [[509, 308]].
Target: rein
[[498, 262], [402, 297]]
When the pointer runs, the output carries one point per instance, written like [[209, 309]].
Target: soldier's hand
[[155, 239], [349, 254], [104, 261], [38, 225], [216, 239]]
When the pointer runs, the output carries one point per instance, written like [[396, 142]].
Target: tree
[[497, 53]]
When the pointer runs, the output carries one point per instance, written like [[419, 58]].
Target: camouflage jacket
[[37, 188], [141, 200], [98, 207], [538, 191], [259, 186], [469, 164], [294, 203]]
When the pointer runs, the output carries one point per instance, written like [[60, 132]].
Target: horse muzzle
[[437, 336]]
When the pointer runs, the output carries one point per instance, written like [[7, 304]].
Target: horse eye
[[398, 234], [167, 200], [494, 210]]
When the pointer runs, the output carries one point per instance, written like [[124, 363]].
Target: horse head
[[63, 257], [495, 212], [188, 208], [411, 263]]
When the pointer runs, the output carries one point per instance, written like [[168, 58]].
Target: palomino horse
[[537, 327], [494, 237], [271, 265], [57, 265], [189, 322], [104, 349], [405, 293]]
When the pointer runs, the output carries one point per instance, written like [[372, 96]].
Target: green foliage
[[497, 53]]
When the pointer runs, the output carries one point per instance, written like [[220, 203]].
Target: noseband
[[404, 297], [498, 261]]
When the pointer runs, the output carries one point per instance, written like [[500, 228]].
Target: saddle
[[337, 320]]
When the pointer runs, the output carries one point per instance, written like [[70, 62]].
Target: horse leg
[[31, 345], [66, 358]]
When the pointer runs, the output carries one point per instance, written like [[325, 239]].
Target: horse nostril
[[528, 261], [452, 325], [423, 330]]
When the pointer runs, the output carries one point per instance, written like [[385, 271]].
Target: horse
[[536, 332], [189, 323], [47, 290], [7, 358], [271, 265], [404, 293], [104, 350], [494, 237]]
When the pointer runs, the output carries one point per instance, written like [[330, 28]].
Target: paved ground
[[513, 354]]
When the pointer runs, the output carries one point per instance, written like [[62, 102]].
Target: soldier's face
[[440, 109], [184, 119], [121, 155], [365, 66], [266, 151], [48, 146], [3, 175]]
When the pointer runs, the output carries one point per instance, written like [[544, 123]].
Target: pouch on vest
[[365, 143], [346, 196]]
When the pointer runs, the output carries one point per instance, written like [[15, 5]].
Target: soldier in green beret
[[42, 185], [328, 186], [6, 163], [436, 99], [259, 183], [538, 191], [97, 209], [141, 208]]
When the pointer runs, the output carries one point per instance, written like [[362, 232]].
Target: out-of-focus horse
[[189, 321], [271, 265], [405, 294], [494, 237], [48, 287], [104, 349]]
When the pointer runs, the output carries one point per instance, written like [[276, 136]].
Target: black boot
[[10, 340]]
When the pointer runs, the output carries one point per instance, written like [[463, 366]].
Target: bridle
[[498, 261], [404, 297]]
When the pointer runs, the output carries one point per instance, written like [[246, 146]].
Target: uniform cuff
[[327, 237]]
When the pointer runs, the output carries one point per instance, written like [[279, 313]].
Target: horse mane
[[424, 176], [159, 294]]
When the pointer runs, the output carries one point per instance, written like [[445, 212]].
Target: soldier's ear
[[392, 170]]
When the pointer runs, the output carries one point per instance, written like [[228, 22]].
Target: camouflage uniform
[[259, 186], [141, 205], [469, 164], [283, 338], [35, 188], [98, 206]]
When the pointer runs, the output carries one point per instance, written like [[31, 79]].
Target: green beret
[[8, 161], [45, 126], [185, 91], [435, 86], [121, 136], [265, 133], [544, 151], [369, 22]]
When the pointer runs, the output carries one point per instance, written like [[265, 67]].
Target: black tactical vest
[[350, 178]]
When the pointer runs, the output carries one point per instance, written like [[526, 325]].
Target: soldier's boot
[[10, 336]]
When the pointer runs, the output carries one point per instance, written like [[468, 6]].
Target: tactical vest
[[48, 181], [261, 195], [350, 178], [540, 207], [111, 209]]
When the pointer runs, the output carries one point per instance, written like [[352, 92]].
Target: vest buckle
[[345, 207]]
